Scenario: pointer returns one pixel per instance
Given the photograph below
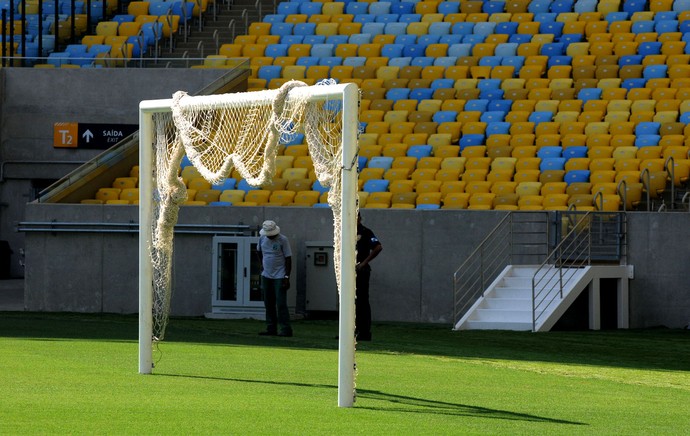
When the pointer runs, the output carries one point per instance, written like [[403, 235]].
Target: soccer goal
[[243, 131]]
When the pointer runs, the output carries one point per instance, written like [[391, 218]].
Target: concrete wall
[[411, 280], [33, 99]]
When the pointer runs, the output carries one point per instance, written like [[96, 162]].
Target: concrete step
[[491, 325], [507, 303], [502, 315], [509, 292]]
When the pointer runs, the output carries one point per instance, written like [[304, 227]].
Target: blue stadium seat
[[375, 185], [331, 61], [373, 28], [655, 71], [559, 60], [317, 186], [537, 6], [422, 61], [489, 84], [392, 50], [665, 15], [569, 38], [587, 6], [647, 48], [490, 61], [428, 206], [552, 163], [322, 50], [474, 39], [274, 18], [552, 27], [364, 18], [419, 151], [633, 83], [410, 18], [500, 105], [684, 27], [576, 176], [550, 151], [647, 140], [498, 128], [387, 18], [357, 8], [428, 39], [540, 117], [476, 105], [463, 28], [268, 72], [446, 61], [380, 8], [402, 8], [493, 7], [632, 6], [642, 26], [491, 94], [414, 50], [245, 186], [229, 183], [515, 61], [359, 38], [587, 94], [617, 16], [520, 38], [384, 162], [561, 6], [396, 94], [448, 7], [406, 39], [647, 128], [399, 61], [282, 29], [506, 49], [444, 116], [355, 61], [421, 94], [460, 50], [545, 17], [450, 39], [288, 8], [492, 117], [470, 140], [630, 60], [310, 8], [506, 28], [666, 26], [314, 39], [440, 28], [485, 28], [337, 39], [575, 151], [681, 5], [552, 49], [396, 28], [685, 118], [442, 83], [307, 61]]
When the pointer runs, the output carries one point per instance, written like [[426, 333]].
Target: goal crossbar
[[348, 94]]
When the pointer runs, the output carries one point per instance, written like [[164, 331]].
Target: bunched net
[[241, 131]]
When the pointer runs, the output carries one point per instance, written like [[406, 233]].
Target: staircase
[[220, 25], [495, 289], [507, 304]]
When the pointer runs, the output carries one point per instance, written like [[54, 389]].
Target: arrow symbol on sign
[[87, 135]]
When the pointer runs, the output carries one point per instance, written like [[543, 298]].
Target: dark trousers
[[275, 301], [362, 307]]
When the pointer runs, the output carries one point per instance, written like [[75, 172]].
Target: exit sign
[[96, 136]]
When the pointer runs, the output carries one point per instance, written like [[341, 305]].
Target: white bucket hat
[[269, 228]]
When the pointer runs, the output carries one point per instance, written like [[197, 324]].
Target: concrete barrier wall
[[411, 279]]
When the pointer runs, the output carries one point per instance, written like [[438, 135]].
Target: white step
[[507, 303], [505, 292], [490, 325], [503, 315]]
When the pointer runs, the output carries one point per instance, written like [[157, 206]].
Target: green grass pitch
[[78, 374]]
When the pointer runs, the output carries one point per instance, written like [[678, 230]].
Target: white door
[[236, 274]]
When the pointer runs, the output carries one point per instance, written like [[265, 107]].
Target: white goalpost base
[[348, 94]]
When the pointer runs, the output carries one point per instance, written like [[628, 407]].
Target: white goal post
[[346, 96]]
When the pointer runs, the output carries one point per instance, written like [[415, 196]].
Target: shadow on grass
[[663, 349], [404, 403]]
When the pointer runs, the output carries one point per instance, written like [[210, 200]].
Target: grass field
[[77, 374]]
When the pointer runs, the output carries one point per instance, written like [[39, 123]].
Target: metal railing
[[556, 243], [519, 238]]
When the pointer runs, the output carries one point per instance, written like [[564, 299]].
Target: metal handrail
[[671, 171], [549, 278], [492, 256]]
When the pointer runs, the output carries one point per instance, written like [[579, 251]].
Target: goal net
[[243, 131]]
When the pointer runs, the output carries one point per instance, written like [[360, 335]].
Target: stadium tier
[[519, 105]]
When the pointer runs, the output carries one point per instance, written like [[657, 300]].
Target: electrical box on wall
[[322, 288]]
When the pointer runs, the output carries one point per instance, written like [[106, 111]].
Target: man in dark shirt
[[368, 247]]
